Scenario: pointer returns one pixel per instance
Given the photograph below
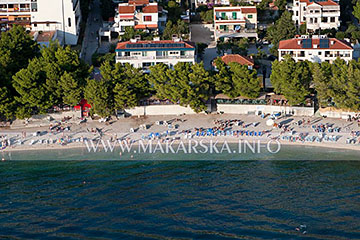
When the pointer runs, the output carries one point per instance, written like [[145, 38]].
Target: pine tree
[[321, 83], [98, 95], [283, 28], [71, 91], [30, 83], [291, 79], [222, 79], [7, 106], [245, 81]]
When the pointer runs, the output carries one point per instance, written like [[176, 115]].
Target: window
[[223, 15], [34, 7], [136, 53], [250, 16], [173, 53], [147, 19], [234, 15], [332, 19], [146, 64], [127, 54], [69, 22], [144, 54], [35, 24]]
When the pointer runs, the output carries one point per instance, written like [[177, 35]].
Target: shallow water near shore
[[179, 199], [287, 152]]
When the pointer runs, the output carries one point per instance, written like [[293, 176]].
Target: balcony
[[232, 33], [153, 57]]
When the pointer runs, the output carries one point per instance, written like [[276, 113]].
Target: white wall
[[336, 113], [54, 11], [245, 109], [160, 110]]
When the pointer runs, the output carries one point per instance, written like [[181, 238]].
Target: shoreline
[[178, 126], [176, 142]]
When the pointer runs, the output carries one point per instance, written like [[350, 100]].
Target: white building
[[143, 54], [317, 14], [315, 49], [223, 2], [235, 22], [63, 16], [138, 14]]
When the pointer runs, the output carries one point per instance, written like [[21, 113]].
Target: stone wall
[[160, 110], [268, 109], [336, 113]]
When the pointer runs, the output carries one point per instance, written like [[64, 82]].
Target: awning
[[126, 16], [143, 26]]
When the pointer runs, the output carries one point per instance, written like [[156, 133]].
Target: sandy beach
[[226, 127]]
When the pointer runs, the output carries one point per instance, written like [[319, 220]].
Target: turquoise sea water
[[172, 199]]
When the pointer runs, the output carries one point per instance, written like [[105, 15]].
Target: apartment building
[[235, 21], [143, 54], [222, 2], [317, 14], [63, 16], [316, 49], [139, 14]]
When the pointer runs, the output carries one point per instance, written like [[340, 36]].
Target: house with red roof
[[317, 14], [237, 21], [146, 53], [316, 49], [242, 60], [140, 14]]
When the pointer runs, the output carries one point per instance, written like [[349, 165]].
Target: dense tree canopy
[[51, 78], [180, 28], [236, 80], [283, 28], [291, 79], [186, 84]]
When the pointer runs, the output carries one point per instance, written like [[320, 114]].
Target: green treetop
[[283, 28]]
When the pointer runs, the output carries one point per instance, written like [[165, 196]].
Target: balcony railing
[[153, 57]]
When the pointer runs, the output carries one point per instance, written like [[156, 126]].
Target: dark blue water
[[179, 199]]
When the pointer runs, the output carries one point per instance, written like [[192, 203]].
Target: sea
[[297, 193]]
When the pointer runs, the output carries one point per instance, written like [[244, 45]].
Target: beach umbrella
[[270, 122]]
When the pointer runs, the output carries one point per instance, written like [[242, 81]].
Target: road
[[94, 22]]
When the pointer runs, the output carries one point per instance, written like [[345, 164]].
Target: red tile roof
[[122, 45], [236, 9], [126, 9], [249, 10], [138, 2], [144, 26], [238, 59], [150, 9], [322, 3], [293, 44]]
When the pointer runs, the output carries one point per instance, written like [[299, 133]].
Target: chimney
[[332, 42], [299, 42], [156, 38], [133, 40]]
